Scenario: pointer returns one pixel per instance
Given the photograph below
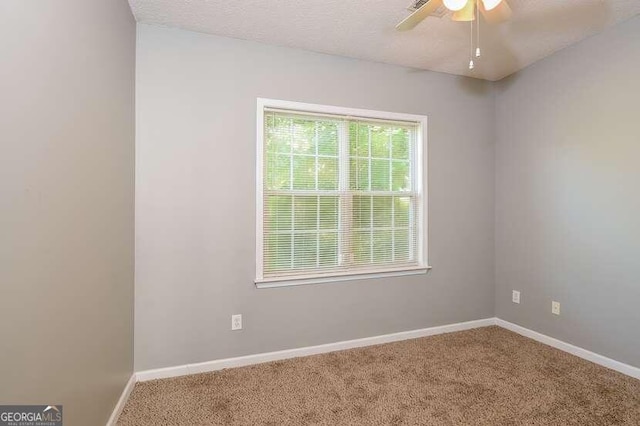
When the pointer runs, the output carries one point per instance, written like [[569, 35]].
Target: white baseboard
[[122, 401], [623, 368], [203, 367]]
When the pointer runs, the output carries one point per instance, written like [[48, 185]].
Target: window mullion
[[370, 188], [317, 142], [345, 201], [393, 200], [293, 198], [415, 186]]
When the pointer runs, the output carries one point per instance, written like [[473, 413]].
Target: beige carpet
[[487, 376]]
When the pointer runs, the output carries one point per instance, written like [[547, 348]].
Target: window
[[340, 194]]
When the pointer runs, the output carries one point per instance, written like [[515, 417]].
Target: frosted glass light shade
[[491, 4], [455, 5]]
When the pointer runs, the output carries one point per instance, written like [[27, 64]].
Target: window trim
[[420, 177]]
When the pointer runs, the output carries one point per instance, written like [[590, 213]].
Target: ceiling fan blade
[[467, 13], [419, 15], [498, 14]]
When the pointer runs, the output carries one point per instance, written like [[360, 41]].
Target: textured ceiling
[[365, 29]]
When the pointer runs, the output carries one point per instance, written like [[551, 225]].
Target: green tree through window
[[339, 193]]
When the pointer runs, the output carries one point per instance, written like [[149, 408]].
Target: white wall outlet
[[555, 308], [236, 322], [515, 297]]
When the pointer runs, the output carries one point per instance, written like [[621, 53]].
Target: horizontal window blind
[[339, 195]]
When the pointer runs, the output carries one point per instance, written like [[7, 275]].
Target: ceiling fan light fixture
[[491, 4], [455, 5]]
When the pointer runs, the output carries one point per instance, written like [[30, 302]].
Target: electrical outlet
[[236, 322], [515, 297], [555, 308]]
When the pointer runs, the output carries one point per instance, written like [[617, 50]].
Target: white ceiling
[[365, 29]]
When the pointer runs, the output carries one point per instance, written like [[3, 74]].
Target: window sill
[[293, 281]]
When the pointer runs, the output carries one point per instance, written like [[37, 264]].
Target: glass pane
[[329, 213], [380, 145], [359, 171], [327, 173], [277, 254], [361, 212], [400, 139], [401, 214], [303, 231], [278, 134], [305, 213], [305, 250], [382, 212], [382, 246], [277, 213], [304, 136], [379, 175], [304, 172], [327, 138], [401, 180], [361, 247], [328, 242], [358, 140], [401, 245], [278, 171]]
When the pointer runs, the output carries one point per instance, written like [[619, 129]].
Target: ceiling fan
[[493, 11]]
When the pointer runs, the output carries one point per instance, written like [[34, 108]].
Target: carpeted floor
[[487, 376]]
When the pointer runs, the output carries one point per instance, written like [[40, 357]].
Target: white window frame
[[420, 164]]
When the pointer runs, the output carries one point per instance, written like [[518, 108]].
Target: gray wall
[[195, 195], [568, 194], [66, 204]]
